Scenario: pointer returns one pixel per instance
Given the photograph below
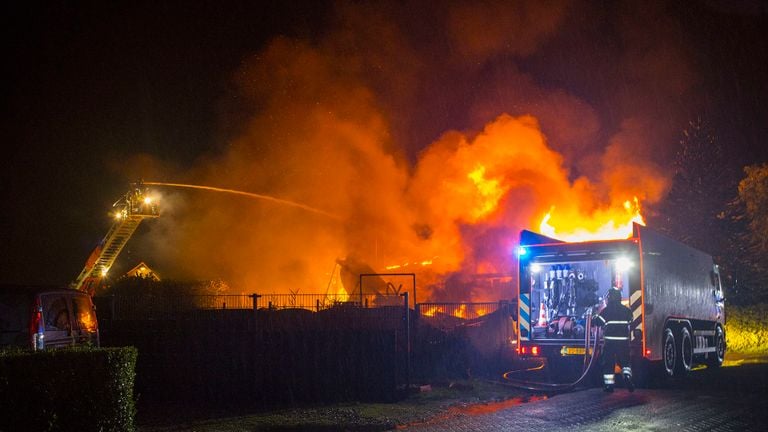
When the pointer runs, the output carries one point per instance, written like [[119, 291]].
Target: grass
[[419, 407]]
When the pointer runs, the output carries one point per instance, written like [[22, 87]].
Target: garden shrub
[[82, 389]]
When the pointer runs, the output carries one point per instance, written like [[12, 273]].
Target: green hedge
[[77, 389]]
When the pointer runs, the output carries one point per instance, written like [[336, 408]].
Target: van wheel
[[685, 352], [670, 353], [715, 360]]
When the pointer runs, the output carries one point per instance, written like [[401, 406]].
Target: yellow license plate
[[574, 351]]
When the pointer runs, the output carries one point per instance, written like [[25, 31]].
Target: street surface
[[730, 399]]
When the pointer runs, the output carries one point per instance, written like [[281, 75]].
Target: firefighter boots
[[630, 384]]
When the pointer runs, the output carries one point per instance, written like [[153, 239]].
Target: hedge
[[746, 330], [82, 389]]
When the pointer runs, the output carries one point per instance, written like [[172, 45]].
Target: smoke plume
[[433, 135]]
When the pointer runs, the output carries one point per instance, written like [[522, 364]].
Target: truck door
[[57, 319]]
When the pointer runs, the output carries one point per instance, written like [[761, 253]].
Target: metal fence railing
[[165, 306], [317, 302], [168, 306]]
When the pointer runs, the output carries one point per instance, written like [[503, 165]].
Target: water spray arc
[[248, 194]]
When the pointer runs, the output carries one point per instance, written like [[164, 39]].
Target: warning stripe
[[635, 304], [525, 316]]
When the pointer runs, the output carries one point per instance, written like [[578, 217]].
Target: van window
[[84, 313], [56, 313]]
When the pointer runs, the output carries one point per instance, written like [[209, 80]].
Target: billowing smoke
[[433, 135]]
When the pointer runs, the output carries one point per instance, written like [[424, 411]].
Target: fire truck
[[674, 292], [128, 212]]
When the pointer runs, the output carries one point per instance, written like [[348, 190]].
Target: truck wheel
[[685, 353], [715, 360], [670, 353]]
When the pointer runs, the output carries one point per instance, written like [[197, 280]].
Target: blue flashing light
[[521, 251]]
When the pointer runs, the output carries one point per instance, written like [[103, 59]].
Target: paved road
[[729, 399]]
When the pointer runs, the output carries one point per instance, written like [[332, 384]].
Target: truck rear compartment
[[564, 293]]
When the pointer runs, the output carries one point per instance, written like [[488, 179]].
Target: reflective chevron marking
[[525, 316], [635, 304]]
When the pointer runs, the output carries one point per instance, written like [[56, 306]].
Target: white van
[[42, 317]]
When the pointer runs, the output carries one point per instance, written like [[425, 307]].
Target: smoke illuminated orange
[[490, 192]]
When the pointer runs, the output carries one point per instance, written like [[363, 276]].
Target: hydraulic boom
[[129, 211]]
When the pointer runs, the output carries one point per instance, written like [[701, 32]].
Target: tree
[[749, 212], [694, 209], [753, 192], [706, 209]]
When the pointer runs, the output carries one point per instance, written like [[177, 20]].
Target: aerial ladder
[[129, 211]]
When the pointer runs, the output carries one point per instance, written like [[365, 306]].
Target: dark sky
[[92, 85]]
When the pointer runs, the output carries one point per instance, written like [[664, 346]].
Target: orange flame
[[461, 311], [579, 228], [342, 295], [406, 264]]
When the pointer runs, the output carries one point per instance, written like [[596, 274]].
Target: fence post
[[361, 290], [504, 306], [317, 305], [255, 301], [407, 342]]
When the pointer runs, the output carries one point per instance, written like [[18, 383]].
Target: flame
[[579, 228], [461, 311], [480, 311], [423, 263], [342, 295], [432, 311]]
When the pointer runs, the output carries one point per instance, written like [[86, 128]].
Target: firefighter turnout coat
[[615, 318]]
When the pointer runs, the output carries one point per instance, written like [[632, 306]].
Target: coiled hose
[[557, 387]]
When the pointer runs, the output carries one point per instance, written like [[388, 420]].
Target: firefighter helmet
[[614, 295]]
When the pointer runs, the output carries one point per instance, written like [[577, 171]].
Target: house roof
[[142, 270]]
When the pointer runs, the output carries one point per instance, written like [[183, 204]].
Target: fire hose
[[541, 386]]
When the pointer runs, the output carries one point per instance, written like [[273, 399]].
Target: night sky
[[100, 94]]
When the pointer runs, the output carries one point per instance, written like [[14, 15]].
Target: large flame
[[613, 223]]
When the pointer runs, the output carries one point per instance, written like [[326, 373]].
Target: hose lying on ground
[[540, 386]]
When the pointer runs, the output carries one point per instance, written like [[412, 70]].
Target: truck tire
[[685, 352], [715, 360], [669, 353]]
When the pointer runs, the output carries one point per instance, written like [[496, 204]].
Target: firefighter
[[616, 318]]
